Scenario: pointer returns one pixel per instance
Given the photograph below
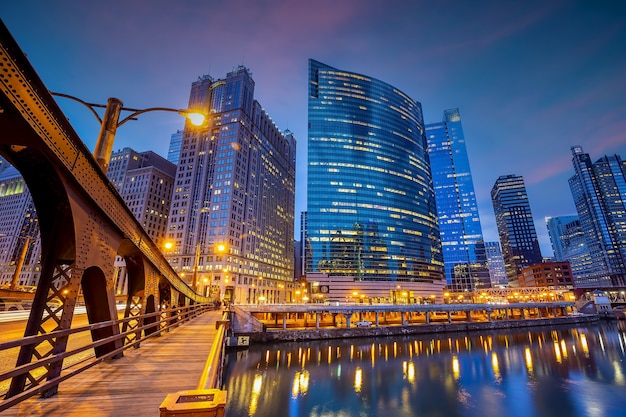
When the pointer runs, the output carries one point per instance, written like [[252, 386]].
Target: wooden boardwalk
[[136, 384]]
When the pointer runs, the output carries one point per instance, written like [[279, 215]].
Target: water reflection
[[573, 371]]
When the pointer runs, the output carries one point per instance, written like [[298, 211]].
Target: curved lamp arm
[[110, 122]]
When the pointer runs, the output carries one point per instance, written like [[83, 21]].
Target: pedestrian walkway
[[136, 384]]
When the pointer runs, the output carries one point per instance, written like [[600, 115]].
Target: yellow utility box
[[194, 403]]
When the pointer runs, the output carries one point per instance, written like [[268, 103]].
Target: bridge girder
[[84, 223]]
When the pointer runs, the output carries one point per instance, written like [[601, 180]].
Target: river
[[573, 371]]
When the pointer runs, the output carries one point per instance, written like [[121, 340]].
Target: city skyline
[[531, 80]]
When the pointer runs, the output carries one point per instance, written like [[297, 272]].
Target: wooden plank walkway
[[136, 384]]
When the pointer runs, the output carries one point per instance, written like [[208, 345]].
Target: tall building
[[557, 231], [371, 208], [457, 209], [568, 243], [19, 230], [497, 271], [516, 227], [173, 152], [145, 180], [231, 223], [599, 192]]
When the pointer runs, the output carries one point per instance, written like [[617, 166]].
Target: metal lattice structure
[[84, 224]]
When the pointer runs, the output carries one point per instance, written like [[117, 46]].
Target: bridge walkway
[[136, 384]]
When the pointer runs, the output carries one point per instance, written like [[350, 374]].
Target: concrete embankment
[[258, 334]]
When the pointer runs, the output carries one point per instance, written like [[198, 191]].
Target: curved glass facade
[[371, 206]]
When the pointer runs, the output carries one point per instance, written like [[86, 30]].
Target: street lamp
[[110, 122]]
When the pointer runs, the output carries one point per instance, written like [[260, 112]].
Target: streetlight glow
[[196, 119]]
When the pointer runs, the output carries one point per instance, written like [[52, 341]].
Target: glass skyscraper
[[516, 227], [371, 206], [599, 192], [568, 243], [459, 223]]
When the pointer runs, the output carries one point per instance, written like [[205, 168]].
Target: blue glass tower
[[459, 223], [599, 192], [371, 206], [568, 244]]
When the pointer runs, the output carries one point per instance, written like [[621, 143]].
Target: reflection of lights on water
[[564, 349], [351, 352], [330, 354], [455, 367], [267, 356], [408, 368], [358, 379], [373, 354], [557, 351], [495, 364], [528, 359], [256, 391], [395, 349], [300, 384], [256, 385], [583, 343], [619, 375], [601, 342], [289, 360]]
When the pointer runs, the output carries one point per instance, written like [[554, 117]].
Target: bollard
[[194, 403]]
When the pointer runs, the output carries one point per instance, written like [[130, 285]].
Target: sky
[[530, 78]]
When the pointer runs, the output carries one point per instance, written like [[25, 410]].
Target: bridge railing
[[207, 399], [83, 357]]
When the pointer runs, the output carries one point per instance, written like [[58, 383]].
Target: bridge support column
[[348, 316]]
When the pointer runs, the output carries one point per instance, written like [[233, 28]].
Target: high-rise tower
[[371, 208], [568, 243], [459, 223], [231, 223], [599, 192], [516, 227]]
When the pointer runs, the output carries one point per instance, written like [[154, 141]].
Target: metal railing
[[208, 399], [157, 322]]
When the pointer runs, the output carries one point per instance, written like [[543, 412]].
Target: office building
[[173, 152], [19, 230], [371, 212], [547, 274], [559, 238], [497, 271], [145, 181], [516, 227], [231, 222], [457, 210], [599, 192], [568, 243]]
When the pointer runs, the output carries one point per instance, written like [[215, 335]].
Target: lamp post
[[220, 248], [111, 121], [21, 256]]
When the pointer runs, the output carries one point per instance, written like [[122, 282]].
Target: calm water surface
[[544, 371]]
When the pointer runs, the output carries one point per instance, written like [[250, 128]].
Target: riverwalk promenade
[[136, 384]]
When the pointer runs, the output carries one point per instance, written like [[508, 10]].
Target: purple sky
[[531, 78]]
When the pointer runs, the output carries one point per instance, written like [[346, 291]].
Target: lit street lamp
[[110, 122]]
